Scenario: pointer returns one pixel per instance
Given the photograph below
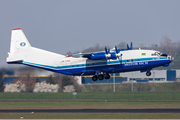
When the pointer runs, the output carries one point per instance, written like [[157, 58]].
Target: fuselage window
[[77, 65], [127, 60], [132, 60], [72, 65], [93, 64], [82, 64], [138, 59], [87, 64]]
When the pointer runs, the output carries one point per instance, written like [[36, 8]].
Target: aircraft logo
[[143, 54], [22, 44]]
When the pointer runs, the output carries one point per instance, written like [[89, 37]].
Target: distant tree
[[167, 46], [122, 45], [142, 46], [50, 80], [29, 83], [17, 87], [58, 80], [1, 82], [95, 48], [7, 71], [69, 88], [37, 80], [66, 80], [78, 87], [71, 53], [154, 46]]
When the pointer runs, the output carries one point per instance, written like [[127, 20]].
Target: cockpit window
[[164, 55], [156, 54]]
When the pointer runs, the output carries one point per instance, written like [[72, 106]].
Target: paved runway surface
[[79, 101], [91, 119], [91, 111]]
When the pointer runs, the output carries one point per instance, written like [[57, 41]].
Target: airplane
[[98, 64]]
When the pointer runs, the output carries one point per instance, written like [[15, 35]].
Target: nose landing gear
[[148, 73]]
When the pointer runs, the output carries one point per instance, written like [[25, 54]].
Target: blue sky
[[73, 25]]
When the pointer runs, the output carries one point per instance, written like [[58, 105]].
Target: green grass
[[89, 116], [155, 87], [95, 96]]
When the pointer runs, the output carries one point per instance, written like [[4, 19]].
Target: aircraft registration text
[[136, 63]]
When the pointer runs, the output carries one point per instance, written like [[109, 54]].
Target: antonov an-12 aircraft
[[97, 64]]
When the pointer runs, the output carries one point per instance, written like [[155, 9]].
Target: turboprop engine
[[99, 56], [105, 55]]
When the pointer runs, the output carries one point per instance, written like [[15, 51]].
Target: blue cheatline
[[117, 66]]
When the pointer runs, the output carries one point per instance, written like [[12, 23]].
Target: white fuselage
[[130, 60]]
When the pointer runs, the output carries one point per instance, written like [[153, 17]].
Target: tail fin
[[18, 40], [21, 51], [19, 44]]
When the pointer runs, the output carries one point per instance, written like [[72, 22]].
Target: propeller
[[131, 46], [107, 51], [118, 54]]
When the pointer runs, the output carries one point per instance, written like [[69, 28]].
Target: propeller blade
[[106, 50], [116, 50], [127, 46], [131, 46]]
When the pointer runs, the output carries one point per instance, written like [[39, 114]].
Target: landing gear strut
[[148, 73]]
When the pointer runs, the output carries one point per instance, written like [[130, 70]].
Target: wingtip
[[17, 29]]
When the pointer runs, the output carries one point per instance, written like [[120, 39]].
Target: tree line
[[56, 79]]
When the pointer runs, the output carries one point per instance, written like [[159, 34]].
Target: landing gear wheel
[[94, 78], [107, 76], [148, 73], [100, 77]]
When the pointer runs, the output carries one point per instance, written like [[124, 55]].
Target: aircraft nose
[[170, 58]]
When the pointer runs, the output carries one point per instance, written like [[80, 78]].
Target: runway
[[91, 111], [80, 101]]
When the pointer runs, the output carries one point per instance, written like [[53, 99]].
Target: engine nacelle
[[98, 56], [113, 56], [103, 56]]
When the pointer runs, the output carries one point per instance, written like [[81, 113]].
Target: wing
[[103, 55]]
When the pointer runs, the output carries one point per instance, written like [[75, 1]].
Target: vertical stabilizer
[[22, 52], [18, 40]]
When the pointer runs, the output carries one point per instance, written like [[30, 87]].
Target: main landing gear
[[148, 73], [100, 77]]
